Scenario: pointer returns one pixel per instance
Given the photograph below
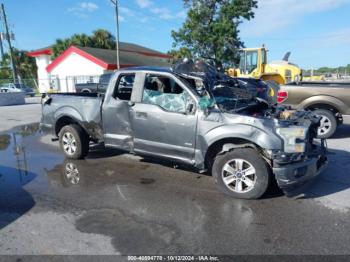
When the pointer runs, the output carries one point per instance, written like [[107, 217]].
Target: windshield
[[248, 61]]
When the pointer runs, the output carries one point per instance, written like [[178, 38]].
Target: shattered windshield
[[223, 91]]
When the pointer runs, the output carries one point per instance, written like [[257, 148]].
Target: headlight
[[293, 138]]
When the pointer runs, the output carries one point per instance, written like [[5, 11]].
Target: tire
[[259, 181], [74, 142], [328, 123]]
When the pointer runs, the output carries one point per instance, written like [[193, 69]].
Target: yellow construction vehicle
[[253, 63]]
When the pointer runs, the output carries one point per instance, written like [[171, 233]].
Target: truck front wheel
[[328, 123], [74, 141], [241, 173]]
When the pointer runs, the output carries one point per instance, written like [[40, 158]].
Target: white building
[[86, 64]]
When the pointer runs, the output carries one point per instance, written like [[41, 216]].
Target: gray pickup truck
[[208, 121], [330, 100]]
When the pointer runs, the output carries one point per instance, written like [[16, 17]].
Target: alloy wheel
[[69, 143], [325, 125], [239, 175]]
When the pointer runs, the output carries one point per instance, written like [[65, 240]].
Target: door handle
[[141, 114]]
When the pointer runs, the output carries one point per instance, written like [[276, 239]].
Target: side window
[[123, 87], [166, 93]]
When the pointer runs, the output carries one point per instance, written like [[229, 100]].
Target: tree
[[103, 39], [100, 39], [25, 65], [211, 28], [183, 52]]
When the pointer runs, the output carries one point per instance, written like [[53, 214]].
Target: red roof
[[78, 51], [43, 51], [107, 58]]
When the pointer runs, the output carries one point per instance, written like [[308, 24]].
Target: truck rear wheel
[[328, 123], [241, 173], [74, 142]]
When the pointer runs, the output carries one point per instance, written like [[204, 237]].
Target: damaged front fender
[[249, 133]]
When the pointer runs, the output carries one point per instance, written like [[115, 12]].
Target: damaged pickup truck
[[194, 116]]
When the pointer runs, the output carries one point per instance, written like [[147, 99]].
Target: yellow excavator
[[253, 63]]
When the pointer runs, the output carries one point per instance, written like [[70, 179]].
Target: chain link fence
[[54, 83]]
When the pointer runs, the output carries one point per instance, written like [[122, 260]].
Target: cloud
[[144, 3], [337, 38], [83, 8], [121, 18], [165, 14], [88, 6], [144, 19], [182, 14], [126, 11], [273, 15]]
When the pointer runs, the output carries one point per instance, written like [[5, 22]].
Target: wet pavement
[[12, 116], [115, 203]]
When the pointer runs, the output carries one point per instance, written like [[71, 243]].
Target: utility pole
[[8, 37], [1, 48], [115, 2]]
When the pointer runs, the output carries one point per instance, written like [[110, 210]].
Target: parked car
[[11, 87], [99, 87], [330, 100], [202, 119]]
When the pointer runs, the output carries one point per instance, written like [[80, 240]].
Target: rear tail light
[[282, 96]]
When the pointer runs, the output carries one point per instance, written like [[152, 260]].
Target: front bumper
[[292, 175]]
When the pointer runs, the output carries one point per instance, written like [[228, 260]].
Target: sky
[[317, 32]]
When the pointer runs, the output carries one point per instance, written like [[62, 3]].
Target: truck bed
[[84, 107]]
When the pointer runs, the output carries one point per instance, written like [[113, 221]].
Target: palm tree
[[100, 39], [81, 40], [103, 39], [60, 46]]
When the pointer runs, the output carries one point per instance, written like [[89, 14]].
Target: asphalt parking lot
[[114, 203], [11, 116]]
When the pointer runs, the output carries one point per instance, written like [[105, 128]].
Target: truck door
[[115, 112], [164, 122]]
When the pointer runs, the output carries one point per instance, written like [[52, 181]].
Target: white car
[[11, 88]]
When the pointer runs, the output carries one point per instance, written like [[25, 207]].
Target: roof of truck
[[149, 68]]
